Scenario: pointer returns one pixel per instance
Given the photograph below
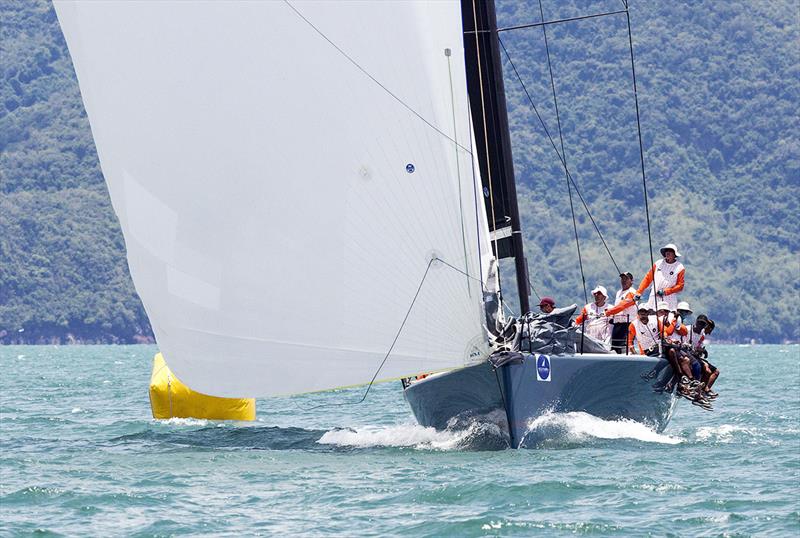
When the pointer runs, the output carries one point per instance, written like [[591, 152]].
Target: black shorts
[[711, 367]]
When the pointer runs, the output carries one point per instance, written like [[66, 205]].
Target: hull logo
[[543, 368]]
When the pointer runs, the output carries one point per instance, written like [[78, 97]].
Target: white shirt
[[646, 334], [629, 314], [666, 276], [596, 323]]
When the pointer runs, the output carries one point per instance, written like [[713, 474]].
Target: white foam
[[405, 435], [576, 427], [721, 434], [76, 410], [174, 421], [478, 432]]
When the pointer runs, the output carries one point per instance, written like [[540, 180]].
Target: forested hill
[[719, 91], [719, 87]]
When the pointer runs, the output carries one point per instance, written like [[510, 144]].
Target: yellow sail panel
[[170, 398]]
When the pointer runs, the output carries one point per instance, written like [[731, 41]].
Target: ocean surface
[[81, 455]]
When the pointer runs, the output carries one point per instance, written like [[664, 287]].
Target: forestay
[[281, 202]]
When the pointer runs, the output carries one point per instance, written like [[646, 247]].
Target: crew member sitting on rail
[[669, 278], [547, 305], [623, 312], [681, 328], [644, 332], [666, 321], [710, 373], [593, 316], [671, 348]]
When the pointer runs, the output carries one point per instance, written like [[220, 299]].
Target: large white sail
[[283, 174]]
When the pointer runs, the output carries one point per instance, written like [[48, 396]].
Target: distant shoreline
[[74, 341]]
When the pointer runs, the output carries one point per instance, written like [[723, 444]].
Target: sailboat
[[317, 195]]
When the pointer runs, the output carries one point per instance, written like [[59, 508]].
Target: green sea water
[[80, 455]]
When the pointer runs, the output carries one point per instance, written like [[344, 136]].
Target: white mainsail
[[283, 174]]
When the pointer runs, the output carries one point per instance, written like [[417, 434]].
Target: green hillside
[[63, 274], [718, 90], [719, 87]]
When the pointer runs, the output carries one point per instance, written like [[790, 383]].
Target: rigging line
[[454, 268], [558, 153], [534, 290], [447, 53], [563, 154], [558, 21], [373, 79], [485, 131], [641, 151], [527, 265], [397, 335], [391, 347]]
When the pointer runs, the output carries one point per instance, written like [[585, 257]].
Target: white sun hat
[[602, 290], [662, 305], [672, 247], [643, 306], [683, 305]]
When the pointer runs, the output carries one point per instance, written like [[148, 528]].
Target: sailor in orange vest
[[644, 331], [648, 330], [669, 274], [622, 313], [594, 314]]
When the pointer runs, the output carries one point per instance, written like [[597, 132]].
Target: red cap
[[547, 300]]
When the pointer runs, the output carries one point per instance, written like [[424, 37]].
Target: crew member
[[644, 331], [547, 304], [669, 277], [710, 372], [593, 316], [684, 316], [666, 321], [623, 312], [681, 365]]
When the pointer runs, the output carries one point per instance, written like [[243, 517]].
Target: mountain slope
[[719, 88]]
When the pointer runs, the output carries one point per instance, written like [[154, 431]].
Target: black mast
[[487, 99]]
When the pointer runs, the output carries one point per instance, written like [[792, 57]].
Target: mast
[[492, 138]]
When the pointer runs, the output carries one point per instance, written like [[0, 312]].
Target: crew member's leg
[[619, 337], [713, 374]]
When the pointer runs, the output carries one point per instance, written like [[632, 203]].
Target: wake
[[486, 432], [579, 428]]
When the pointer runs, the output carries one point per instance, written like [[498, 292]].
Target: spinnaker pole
[[492, 137]]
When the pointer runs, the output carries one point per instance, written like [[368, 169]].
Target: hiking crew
[[659, 327], [669, 278], [594, 314], [623, 312], [709, 372], [644, 331], [681, 329]]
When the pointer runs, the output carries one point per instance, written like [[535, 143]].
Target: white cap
[[643, 306], [683, 305], [662, 305], [602, 290], [672, 247]]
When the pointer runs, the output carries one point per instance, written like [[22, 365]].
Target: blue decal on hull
[[542, 368]]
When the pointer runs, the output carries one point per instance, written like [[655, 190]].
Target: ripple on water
[[369, 470]]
